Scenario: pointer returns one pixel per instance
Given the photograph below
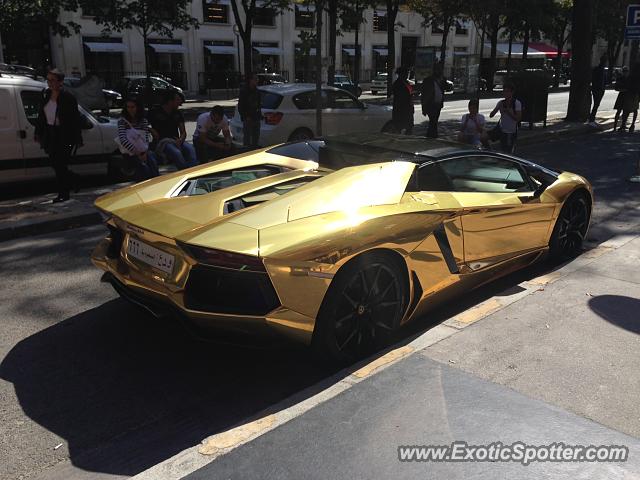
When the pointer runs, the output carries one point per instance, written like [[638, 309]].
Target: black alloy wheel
[[571, 228], [363, 308]]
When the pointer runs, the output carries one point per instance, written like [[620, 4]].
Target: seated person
[[169, 133], [212, 137], [472, 126]]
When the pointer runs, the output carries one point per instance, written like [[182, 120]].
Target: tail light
[[221, 258], [273, 118]]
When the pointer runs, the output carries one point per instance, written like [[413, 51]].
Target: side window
[[485, 174], [31, 104], [342, 100], [6, 117], [431, 178], [307, 100], [157, 83]]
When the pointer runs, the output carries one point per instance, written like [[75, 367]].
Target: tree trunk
[[247, 50], [356, 60], [494, 55], [445, 38], [148, 88], [391, 44], [580, 94], [525, 45], [333, 21], [319, 8], [509, 55]]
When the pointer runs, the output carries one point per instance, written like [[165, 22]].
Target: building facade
[[212, 55]]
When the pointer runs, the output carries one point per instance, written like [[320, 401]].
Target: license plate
[[150, 255]]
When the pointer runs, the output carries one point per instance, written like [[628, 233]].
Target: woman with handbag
[[134, 136]]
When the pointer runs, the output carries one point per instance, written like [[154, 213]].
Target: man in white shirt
[[510, 116], [212, 137]]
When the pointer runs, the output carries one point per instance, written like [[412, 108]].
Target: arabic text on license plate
[[150, 255]]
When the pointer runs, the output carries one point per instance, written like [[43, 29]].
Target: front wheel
[[571, 228], [362, 309]]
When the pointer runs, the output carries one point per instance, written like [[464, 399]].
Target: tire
[[571, 227], [362, 309], [301, 134]]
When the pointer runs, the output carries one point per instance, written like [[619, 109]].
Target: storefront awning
[[381, 51], [349, 51], [106, 47], [548, 50], [516, 51], [168, 48], [268, 50], [221, 49]]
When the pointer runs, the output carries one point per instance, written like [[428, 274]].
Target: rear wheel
[[301, 134], [571, 228], [362, 309]]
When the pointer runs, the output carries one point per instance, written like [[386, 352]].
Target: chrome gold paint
[[305, 237]]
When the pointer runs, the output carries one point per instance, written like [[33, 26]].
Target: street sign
[[632, 30]]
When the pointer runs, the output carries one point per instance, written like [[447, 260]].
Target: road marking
[[236, 436], [387, 358], [479, 311]]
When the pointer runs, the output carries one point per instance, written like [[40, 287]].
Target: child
[[510, 116], [472, 126]]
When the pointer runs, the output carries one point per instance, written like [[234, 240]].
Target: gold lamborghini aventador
[[338, 242]]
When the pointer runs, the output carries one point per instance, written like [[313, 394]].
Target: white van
[[21, 158]]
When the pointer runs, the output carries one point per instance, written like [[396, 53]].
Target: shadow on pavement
[[618, 310], [127, 391]]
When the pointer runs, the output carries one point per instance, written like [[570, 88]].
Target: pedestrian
[[510, 116], [621, 87], [250, 111], [169, 133], [402, 115], [472, 126], [134, 136], [598, 81], [212, 137], [433, 88], [631, 99], [58, 131]]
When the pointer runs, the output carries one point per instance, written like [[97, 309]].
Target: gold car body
[[449, 241]]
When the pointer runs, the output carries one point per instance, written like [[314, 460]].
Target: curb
[[53, 223], [217, 445]]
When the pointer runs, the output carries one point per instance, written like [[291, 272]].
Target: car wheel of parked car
[[362, 309], [571, 227], [301, 134]]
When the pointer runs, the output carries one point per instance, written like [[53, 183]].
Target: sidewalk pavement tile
[[573, 343], [419, 402]]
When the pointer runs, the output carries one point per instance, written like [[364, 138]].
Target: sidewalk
[[29, 216], [552, 359]]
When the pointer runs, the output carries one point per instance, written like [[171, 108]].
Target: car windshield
[[270, 100], [381, 78], [341, 78]]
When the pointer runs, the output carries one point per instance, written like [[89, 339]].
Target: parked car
[[19, 70], [112, 99], [289, 114], [21, 158], [345, 83], [379, 84], [133, 86], [337, 251], [270, 79]]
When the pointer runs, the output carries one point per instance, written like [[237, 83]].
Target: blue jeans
[[148, 169], [182, 157]]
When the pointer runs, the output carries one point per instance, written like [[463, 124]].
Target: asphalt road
[[90, 385]]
